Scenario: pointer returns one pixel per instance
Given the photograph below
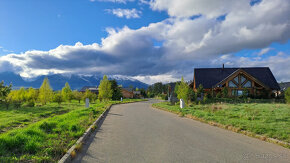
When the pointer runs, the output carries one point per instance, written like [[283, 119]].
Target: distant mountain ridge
[[57, 81]]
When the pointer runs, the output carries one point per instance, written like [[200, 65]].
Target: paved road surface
[[138, 133]]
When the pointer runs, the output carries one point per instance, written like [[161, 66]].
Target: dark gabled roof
[[209, 77], [128, 89], [91, 88], [284, 85]]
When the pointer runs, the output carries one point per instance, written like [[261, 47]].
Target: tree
[[45, 92], [88, 94], [105, 90], [21, 95], [287, 95], [225, 92], [77, 95], [58, 97], [66, 92], [31, 95], [4, 91], [183, 91], [200, 91], [157, 88], [191, 95], [116, 95]]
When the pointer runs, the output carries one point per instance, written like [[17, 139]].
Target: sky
[[147, 40]]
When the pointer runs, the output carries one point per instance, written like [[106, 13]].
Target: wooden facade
[[238, 83]]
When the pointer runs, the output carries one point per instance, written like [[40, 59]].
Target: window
[[232, 84], [243, 79], [248, 84], [240, 92], [236, 79]]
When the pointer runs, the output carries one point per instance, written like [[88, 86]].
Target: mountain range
[[57, 81]]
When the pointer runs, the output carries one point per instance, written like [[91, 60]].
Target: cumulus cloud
[[278, 63], [115, 1], [187, 43], [127, 13]]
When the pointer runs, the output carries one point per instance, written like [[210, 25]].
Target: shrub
[[287, 95], [30, 104], [47, 126]]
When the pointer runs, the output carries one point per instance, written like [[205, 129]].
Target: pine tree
[[66, 92], [45, 92], [116, 90], [105, 90]]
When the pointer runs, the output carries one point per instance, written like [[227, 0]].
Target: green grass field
[[44, 134], [270, 120]]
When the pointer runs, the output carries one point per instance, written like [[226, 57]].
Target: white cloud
[[127, 13], [209, 8], [264, 51], [279, 64], [186, 43], [115, 1]]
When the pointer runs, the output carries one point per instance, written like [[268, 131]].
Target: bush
[[47, 126], [30, 104], [287, 95]]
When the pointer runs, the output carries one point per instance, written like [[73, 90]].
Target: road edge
[[231, 128], [71, 153]]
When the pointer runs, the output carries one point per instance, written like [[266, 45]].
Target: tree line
[[108, 90]]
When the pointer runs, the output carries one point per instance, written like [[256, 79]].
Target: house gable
[[241, 79]]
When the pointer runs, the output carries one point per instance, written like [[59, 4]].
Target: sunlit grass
[[52, 135], [271, 120]]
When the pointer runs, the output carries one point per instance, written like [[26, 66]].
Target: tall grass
[[271, 120]]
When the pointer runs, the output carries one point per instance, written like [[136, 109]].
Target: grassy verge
[[268, 120], [48, 139], [19, 117]]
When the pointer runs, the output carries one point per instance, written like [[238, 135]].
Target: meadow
[[268, 119], [45, 133]]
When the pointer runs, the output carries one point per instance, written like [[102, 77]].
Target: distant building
[[127, 92], [284, 86], [93, 89], [257, 81]]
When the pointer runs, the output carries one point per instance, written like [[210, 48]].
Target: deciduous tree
[[58, 97], [105, 90], [66, 92], [45, 92], [77, 95], [182, 90]]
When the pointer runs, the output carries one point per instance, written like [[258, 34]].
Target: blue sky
[[158, 40], [44, 25]]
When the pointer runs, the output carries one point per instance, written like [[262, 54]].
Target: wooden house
[[255, 81]]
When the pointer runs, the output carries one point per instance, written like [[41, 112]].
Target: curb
[[231, 128], [70, 154]]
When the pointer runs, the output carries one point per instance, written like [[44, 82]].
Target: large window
[[248, 84], [240, 81], [232, 84]]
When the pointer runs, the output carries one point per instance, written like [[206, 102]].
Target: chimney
[[223, 66]]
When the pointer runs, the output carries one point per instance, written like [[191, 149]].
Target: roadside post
[[87, 102], [181, 103], [121, 99]]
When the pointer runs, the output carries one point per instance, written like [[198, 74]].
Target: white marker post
[[121, 99], [181, 103], [87, 102]]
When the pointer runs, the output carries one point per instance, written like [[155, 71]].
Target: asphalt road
[[138, 133]]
